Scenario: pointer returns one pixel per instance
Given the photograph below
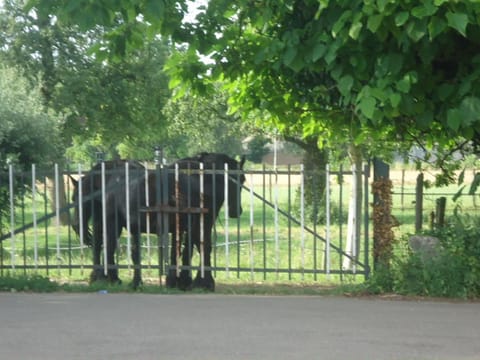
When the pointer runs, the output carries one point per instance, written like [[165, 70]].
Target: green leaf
[[318, 51], [444, 91], [155, 8], [394, 62], [289, 55], [424, 10], [454, 119], [458, 21], [417, 29], [345, 85], [382, 4], [435, 27], [367, 106], [340, 23], [403, 85], [395, 99], [355, 30], [374, 22], [332, 53], [401, 18], [425, 119], [470, 110]]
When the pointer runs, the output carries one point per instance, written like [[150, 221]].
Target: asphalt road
[[210, 327]]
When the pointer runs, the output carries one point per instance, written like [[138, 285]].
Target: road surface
[[210, 327]]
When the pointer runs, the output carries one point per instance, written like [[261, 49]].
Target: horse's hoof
[[184, 282], [115, 281], [207, 283], [171, 281], [97, 275], [136, 283]]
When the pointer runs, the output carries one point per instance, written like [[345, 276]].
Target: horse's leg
[[136, 257], [185, 280], [172, 271], [114, 228], [97, 271], [206, 282]]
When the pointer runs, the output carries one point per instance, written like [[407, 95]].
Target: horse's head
[[235, 184]]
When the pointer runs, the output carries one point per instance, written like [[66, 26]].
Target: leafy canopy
[[373, 70]]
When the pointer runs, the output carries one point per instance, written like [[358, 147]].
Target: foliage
[[378, 73], [35, 283], [257, 148], [453, 272], [28, 134], [370, 70], [104, 103], [197, 124]]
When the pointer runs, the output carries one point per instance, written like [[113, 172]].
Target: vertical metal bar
[[225, 207], [164, 174], [302, 218], [340, 220], [355, 211], [275, 222], [366, 218], [80, 215], [264, 228], [188, 240], [127, 217], [202, 219], [57, 215], [327, 214], [24, 237], [252, 265], [237, 210], [69, 237], [177, 221], [147, 203], [34, 215], [104, 220], [12, 215], [45, 223], [214, 211], [289, 223]]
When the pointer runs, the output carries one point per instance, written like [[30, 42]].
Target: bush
[[453, 272]]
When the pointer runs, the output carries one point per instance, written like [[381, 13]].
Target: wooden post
[[381, 171], [440, 212], [419, 203]]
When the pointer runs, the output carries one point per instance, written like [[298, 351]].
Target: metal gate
[[288, 231]]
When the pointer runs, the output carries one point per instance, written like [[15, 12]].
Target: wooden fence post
[[419, 203]]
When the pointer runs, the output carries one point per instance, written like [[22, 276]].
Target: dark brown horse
[[161, 191]]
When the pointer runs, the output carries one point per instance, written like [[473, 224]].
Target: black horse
[[90, 195], [187, 195], [214, 196]]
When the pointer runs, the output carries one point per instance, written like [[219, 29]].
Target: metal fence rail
[[288, 231]]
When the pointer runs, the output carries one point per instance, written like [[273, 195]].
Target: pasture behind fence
[[404, 199], [282, 234]]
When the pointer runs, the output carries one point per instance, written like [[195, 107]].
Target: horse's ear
[[242, 161], [74, 182]]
